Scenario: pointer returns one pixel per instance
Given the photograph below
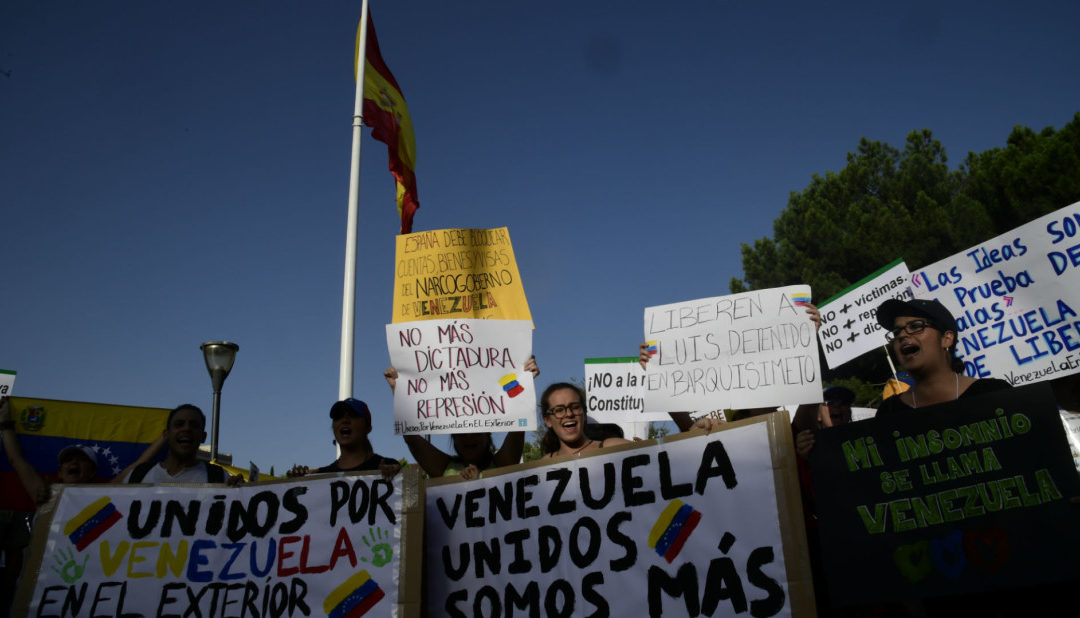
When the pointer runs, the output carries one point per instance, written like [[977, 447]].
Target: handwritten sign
[[458, 273], [968, 496], [323, 546], [615, 391], [460, 376], [7, 382], [849, 325], [707, 526], [1015, 300], [741, 351]]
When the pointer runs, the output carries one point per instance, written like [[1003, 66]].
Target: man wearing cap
[[75, 463], [185, 430], [351, 425]]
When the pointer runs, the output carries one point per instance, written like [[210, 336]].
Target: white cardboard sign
[[849, 325], [615, 391], [461, 376], [740, 351], [1016, 300]]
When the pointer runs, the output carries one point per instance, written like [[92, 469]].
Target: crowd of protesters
[[922, 336]]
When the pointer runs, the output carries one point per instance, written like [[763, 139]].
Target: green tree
[[887, 203]]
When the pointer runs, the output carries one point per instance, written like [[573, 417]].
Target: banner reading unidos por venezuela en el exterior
[[323, 546]]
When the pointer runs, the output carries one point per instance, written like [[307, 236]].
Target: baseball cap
[[350, 406], [932, 310], [81, 448]]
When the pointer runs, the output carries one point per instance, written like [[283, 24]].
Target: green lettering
[[971, 501], [900, 520], [928, 511], [1047, 488], [947, 509], [875, 524]]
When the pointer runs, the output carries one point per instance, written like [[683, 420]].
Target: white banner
[[615, 391], [1015, 299], [741, 351], [849, 325], [461, 376], [323, 546], [690, 527]]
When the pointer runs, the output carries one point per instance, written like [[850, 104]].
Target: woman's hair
[[955, 362], [489, 453], [550, 442]]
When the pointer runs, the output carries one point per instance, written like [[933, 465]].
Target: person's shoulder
[[891, 406], [987, 385]]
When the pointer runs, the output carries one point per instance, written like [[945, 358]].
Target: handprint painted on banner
[[377, 542], [69, 569]]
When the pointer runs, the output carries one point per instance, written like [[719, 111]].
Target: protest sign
[[740, 351], [458, 273], [460, 376], [961, 497], [849, 325], [1015, 300], [318, 546], [709, 525], [1071, 422], [615, 391], [7, 382]]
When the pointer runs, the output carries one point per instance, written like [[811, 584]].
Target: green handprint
[[70, 570], [381, 552]]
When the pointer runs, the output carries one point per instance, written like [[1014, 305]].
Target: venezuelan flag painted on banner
[[118, 434], [386, 113]]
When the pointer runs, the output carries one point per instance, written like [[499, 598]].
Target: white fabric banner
[[322, 546], [689, 527]]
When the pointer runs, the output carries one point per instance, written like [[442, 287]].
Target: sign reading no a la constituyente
[[849, 325], [461, 376], [745, 350]]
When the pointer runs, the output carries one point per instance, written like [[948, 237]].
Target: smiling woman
[[923, 336], [563, 407]]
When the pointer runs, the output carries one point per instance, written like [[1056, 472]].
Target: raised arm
[[147, 455], [32, 482]]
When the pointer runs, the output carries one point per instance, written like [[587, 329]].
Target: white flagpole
[[348, 302]]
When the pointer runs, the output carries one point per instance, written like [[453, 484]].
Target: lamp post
[[219, 357]]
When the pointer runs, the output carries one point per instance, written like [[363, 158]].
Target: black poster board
[[950, 499]]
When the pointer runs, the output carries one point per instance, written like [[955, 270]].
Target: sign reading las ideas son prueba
[[314, 547], [1016, 299], [687, 528], [739, 351], [460, 376]]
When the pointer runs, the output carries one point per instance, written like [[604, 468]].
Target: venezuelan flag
[[91, 522], [673, 528], [119, 434], [651, 347], [386, 113], [800, 299], [354, 597], [510, 385]]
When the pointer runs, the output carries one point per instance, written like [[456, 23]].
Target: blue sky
[[173, 173]]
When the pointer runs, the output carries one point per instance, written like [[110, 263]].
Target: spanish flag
[[386, 113]]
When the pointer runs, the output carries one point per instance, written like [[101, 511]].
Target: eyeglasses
[[562, 411], [913, 327]]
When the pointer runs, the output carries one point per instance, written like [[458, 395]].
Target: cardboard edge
[[789, 508]]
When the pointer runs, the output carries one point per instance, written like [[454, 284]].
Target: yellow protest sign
[[454, 273]]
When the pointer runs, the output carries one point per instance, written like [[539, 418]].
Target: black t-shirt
[[893, 405], [372, 463]]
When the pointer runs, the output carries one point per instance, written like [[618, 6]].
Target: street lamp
[[219, 357]]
